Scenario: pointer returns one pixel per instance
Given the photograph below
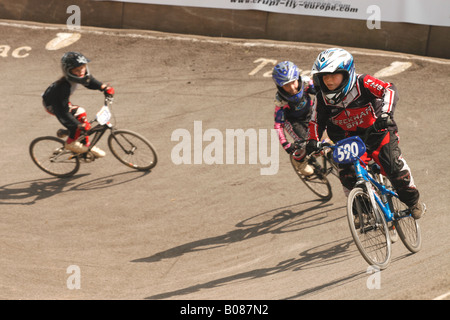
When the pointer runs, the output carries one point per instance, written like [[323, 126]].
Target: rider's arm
[[382, 90], [94, 84], [308, 84], [279, 125], [317, 123]]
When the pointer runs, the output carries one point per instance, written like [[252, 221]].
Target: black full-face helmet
[[72, 60]]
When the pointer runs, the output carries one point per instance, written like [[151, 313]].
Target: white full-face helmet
[[334, 60]]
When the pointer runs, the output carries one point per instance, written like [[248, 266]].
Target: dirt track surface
[[200, 231]]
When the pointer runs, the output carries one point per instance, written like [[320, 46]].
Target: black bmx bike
[[130, 148], [318, 182]]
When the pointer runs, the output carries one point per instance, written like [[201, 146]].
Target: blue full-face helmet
[[286, 72]]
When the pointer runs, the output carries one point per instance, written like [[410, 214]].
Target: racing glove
[[108, 91], [312, 146], [289, 147], [382, 122]]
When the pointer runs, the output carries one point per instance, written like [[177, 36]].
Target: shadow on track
[[325, 254], [280, 220], [31, 191]]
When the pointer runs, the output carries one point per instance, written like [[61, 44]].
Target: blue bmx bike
[[373, 208]]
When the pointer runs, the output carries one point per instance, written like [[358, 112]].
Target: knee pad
[[80, 114]]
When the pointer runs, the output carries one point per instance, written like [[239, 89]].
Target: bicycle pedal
[[88, 157], [401, 214]]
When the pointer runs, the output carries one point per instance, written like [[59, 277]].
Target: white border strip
[[443, 296], [234, 42], [430, 12]]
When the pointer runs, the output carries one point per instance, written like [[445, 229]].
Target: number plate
[[104, 115], [348, 150]]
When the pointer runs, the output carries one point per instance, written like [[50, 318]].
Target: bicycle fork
[[366, 185], [126, 150]]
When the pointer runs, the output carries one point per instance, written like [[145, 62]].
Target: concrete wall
[[401, 37]]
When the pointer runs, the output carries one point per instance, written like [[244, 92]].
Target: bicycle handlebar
[[369, 130], [108, 100]]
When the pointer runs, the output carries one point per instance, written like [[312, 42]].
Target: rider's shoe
[[305, 168], [417, 210], [76, 147], [97, 152]]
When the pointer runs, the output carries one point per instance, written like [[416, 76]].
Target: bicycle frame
[[324, 168], [99, 130], [364, 177]]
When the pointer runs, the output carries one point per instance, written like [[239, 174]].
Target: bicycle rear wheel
[[132, 149], [317, 182], [49, 155], [408, 228], [369, 229]]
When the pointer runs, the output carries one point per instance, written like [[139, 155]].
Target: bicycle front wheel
[[369, 229], [408, 228], [132, 149], [49, 155], [317, 182]]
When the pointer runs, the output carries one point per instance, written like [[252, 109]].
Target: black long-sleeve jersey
[[56, 98]]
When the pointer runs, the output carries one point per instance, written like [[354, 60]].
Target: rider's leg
[[298, 130], [71, 143], [388, 155], [81, 116]]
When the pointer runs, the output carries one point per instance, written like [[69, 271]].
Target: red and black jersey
[[358, 111]]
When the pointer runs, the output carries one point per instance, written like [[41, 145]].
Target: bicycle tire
[[372, 236], [408, 228], [124, 145], [317, 182], [49, 155]]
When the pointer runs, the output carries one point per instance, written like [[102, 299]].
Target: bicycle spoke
[[408, 228], [132, 150], [49, 155], [371, 235]]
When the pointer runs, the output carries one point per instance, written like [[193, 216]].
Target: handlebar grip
[[324, 144]]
